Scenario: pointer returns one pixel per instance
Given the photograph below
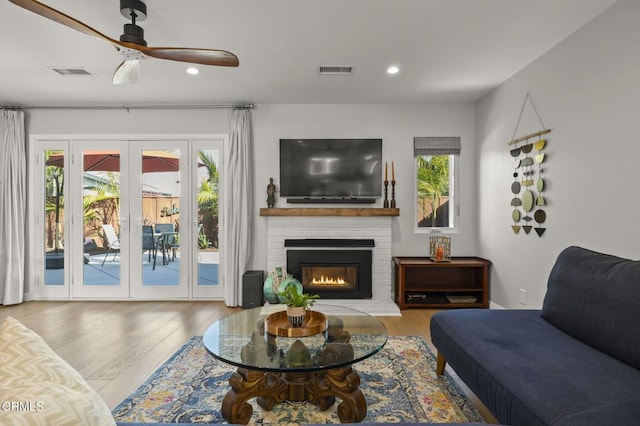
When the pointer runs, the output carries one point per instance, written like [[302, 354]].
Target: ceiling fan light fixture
[[128, 72], [131, 43]]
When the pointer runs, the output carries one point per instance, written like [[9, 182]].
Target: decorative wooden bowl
[[278, 324]]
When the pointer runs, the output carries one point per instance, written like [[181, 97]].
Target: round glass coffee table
[[277, 363]]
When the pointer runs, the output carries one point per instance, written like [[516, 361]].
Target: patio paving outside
[[108, 275]]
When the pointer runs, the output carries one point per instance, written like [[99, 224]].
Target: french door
[[127, 218]]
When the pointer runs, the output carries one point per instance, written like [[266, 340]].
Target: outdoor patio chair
[[113, 242], [169, 241], [149, 243]]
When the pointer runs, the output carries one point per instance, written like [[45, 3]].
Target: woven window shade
[[439, 145]]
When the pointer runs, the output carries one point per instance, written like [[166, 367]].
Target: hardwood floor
[[116, 345]]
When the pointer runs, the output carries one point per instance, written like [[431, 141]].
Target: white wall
[[134, 121], [395, 124], [587, 91]]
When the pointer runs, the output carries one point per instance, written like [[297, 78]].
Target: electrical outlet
[[523, 296]]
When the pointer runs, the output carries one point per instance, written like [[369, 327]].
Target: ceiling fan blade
[[220, 58], [62, 18], [128, 72]]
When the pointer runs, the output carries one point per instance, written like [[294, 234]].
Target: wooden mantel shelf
[[329, 211]]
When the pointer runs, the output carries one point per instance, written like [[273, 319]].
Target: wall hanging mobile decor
[[528, 184]]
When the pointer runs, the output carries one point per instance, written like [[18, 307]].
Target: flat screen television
[[330, 170]]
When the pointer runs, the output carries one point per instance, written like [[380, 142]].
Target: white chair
[[113, 242]]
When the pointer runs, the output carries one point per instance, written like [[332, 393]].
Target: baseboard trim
[[494, 306]]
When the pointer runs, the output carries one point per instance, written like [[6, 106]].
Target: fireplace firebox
[[329, 269]]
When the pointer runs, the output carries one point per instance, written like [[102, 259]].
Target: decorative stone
[[298, 355]]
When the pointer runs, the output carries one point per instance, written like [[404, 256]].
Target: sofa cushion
[[595, 298], [528, 372], [37, 387]]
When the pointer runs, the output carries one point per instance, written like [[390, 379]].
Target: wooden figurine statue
[[271, 193]]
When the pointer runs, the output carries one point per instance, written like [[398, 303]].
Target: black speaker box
[[252, 282]]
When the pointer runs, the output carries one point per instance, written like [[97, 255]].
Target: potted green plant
[[297, 304]]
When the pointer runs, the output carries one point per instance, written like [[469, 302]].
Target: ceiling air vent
[[72, 71], [336, 69]]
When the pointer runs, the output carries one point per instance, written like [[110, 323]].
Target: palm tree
[[54, 188], [100, 207], [208, 198], [433, 182]]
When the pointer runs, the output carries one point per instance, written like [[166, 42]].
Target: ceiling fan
[[132, 44]]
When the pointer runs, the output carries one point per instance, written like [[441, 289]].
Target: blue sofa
[[575, 362]]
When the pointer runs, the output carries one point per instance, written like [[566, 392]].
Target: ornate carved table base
[[319, 388]]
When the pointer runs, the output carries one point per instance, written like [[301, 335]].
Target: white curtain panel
[[13, 207], [237, 219]]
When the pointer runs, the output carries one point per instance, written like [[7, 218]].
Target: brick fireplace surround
[[283, 224]]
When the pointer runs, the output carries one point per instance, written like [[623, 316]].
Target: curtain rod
[[129, 107]]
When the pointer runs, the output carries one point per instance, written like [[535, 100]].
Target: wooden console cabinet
[[423, 283]]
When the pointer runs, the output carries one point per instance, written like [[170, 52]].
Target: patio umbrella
[[109, 161]]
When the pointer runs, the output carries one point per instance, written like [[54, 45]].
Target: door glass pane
[[101, 218], [207, 232], [54, 217], [160, 200]]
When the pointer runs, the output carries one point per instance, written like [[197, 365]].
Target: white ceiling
[[447, 50]]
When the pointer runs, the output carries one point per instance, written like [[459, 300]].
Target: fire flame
[[327, 281]]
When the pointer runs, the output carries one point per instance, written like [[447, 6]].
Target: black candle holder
[[393, 194], [386, 194]]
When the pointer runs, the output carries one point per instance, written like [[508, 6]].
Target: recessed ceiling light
[[193, 70], [393, 70]]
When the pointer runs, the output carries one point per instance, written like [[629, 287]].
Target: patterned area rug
[[399, 384]]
